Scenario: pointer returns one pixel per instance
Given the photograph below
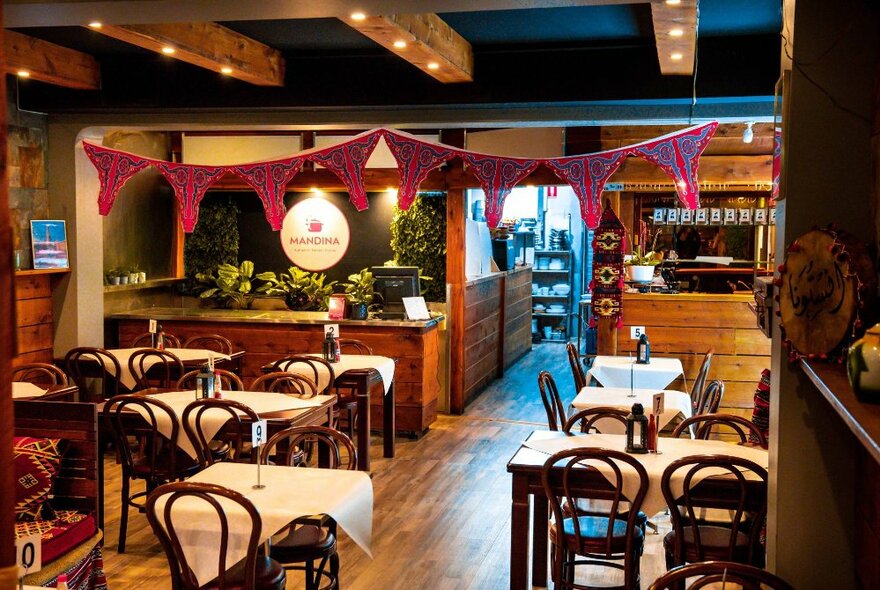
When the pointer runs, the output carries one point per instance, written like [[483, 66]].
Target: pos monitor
[[393, 283]]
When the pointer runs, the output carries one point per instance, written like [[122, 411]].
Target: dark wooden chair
[[254, 572], [693, 539], [307, 365], [353, 346], [346, 401], [577, 369], [588, 418], [214, 342], [710, 400], [145, 340], [235, 433], [702, 427], [152, 367], [713, 573], [603, 540], [702, 375], [154, 458], [308, 542], [284, 382], [87, 365], [40, 374], [229, 380], [556, 414]]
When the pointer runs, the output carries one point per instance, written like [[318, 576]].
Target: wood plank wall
[[517, 339], [33, 309], [688, 325]]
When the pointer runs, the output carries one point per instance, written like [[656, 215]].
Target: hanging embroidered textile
[[114, 169], [609, 245], [777, 162], [190, 183], [347, 161], [270, 180], [497, 177], [587, 176], [415, 159]]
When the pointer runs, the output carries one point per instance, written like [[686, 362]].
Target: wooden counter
[[270, 335], [688, 324], [34, 319]]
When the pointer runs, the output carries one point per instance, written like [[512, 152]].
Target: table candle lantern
[[205, 382], [643, 350], [331, 347], [637, 430]]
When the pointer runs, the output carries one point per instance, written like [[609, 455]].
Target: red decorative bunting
[[678, 154], [497, 176], [415, 159], [587, 176], [190, 183], [347, 161], [114, 169], [270, 181]]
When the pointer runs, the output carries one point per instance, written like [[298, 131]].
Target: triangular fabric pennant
[[415, 159], [270, 180], [587, 176], [497, 176], [609, 245], [678, 154], [347, 161], [190, 183], [114, 169]]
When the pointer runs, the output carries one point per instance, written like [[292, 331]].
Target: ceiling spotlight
[[23, 74], [676, 32], [95, 24], [748, 134], [226, 70], [358, 16], [400, 44], [168, 50], [673, 2], [433, 65], [676, 56]]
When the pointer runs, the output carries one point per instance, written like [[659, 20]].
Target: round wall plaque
[[315, 234]]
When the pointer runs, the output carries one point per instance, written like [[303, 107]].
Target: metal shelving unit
[[548, 278]]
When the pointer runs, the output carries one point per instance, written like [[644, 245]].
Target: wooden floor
[[442, 506]]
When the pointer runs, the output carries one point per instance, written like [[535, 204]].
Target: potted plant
[[113, 276], [302, 290], [359, 290], [231, 287], [640, 265], [133, 274]]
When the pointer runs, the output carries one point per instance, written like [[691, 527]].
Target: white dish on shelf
[[556, 264], [562, 289]]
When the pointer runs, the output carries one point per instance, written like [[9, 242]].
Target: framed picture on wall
[[659, 216], [686, 217], [715, 216], [771, 216], [729, 216], [49, 243], [702, 216], [745, 216], [672, 216], [761, 216]]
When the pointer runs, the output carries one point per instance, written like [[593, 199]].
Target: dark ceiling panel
[[310, 34], [85, 40], [740, 17]]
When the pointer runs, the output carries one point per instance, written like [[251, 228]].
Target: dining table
[[27, 390], [676, 405], [289, 493], [624, 371], [527, 463]]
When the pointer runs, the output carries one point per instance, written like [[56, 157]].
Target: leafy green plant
[[302, 290], [641, 255], [418, 238], [231, 286], [359, 287], [215, 239]]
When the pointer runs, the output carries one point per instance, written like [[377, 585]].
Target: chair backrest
[[561, 476], [214, 342], [157, 446], [145, 340], [701, 426], [353, 346], [588, 418], [556, 415], [165, 528], [229, 380], [713, 573], [164, 368], [577, 369], [702, 375], [710, 400], [307, 365], [746, 498], [295, 437], [40, 374], [84, 363], [237, 433], [284, 382]]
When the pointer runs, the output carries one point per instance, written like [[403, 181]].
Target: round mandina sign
[[315, 234]]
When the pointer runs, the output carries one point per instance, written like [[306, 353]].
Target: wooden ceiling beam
[[425, 41], [675, 33], [29, 57], [206, 45]]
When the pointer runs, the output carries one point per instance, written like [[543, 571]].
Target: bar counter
[[268, 335]]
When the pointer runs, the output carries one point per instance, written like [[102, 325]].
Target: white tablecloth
[[623, 371], [24, 390], [290, 492], [214, 419], [675, 404], [671, 449], [184, 354], [383, 364]]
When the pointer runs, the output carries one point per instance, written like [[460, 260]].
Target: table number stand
[[258, 438]]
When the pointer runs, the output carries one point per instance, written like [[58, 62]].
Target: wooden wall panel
[[33, 317], [483, 333], [517, 315]]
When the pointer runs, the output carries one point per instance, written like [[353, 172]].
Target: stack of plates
[[556, 264], [562, 289], [556, 308], [558, 239]]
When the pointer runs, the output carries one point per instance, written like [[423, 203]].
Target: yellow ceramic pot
[[863, 365]]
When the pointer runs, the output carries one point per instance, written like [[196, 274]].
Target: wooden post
[[606, 336], [455, 278]]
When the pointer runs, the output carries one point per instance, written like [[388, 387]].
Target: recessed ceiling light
[[673, 2], [23, 74], [433, 65], [168, 50], [95, 24], [226, 70], [358, 16], [400, 44], [676, 56], [676, 32]]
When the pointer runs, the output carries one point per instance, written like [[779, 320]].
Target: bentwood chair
[[152, 367], [145, 340], [577, 369], [601, 540], [96, 365], [308, 542], [353, 346], [702, 427], [154, 458], [710, 400], [213, 342], [700, 380], [236, 431], [287, 383], [346, 402], [40, 374], [714, 574], [693, 538], [556, 414], [308, 366], [254, 572], [229, 380], [588, 418]]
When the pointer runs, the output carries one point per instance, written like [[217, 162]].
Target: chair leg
[[123, 517], [334, 568], [310, 576]]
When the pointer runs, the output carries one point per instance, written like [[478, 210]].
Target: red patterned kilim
[[190, 183], [609, 244], [87, 574], [587, 176], [347, 161], [270, 180], [415, 159], [114, 169], [678, 154], [36, 462], [497, 177]]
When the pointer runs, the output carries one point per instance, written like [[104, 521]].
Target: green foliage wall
[[418, 238], [215, 239]]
